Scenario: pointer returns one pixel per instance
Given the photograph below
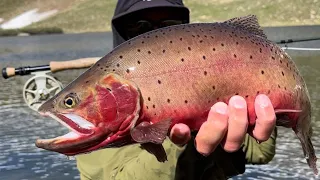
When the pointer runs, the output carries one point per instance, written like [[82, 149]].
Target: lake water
[[20, 126]]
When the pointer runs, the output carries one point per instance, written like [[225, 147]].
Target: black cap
[[126, 7]]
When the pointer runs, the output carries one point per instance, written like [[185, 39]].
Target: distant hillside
[[94, 15]]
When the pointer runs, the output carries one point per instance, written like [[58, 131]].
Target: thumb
[[180, 134]]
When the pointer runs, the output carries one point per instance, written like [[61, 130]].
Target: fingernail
[[258, 141], [263, 101], [220, 108], [238, 103]]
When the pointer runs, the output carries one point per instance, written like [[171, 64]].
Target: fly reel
[[40, 88]]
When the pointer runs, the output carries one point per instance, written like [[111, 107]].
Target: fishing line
[[300, 49]]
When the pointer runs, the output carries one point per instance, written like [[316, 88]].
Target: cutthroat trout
[[138, 91]]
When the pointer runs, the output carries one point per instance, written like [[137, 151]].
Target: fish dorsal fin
[[248, 23]]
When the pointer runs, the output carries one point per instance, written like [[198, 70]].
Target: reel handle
[[73, 64]]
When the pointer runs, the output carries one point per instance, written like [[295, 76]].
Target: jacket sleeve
[[128, 163], [262, 153]]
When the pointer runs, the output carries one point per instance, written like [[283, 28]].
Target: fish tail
[[308, 150]]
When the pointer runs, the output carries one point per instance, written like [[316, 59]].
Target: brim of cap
[[144, 5]]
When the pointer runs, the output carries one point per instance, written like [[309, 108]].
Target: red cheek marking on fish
[[88, 110], [107, 105]]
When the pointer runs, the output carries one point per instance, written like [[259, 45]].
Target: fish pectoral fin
[[277, 111], [283, 119], [157, 150], [154, 133], [248, 23]]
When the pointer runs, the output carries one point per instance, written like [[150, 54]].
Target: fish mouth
[[82, 136]]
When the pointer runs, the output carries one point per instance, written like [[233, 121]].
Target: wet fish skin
[[174, 75]]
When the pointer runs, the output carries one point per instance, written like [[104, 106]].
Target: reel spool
[[40, 88]]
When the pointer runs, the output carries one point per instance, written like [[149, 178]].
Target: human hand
[[227, 125]]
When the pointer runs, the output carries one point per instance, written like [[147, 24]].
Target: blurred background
[[35, 32]]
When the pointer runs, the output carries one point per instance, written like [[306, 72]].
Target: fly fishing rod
[[297, 40], [54, 66]]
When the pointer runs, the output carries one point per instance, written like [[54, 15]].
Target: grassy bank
[[95, 15]]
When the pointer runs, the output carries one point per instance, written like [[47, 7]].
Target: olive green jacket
[[184, 163]]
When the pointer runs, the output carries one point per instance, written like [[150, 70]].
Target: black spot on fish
[[258, 92], [182, 59], [237, 43], [262, 72], [101, 68], [138, 50], [235, 56], [200, 41], [192, 36], [203, 57], [147, 107], [163, 51], [118, 65], [251, 57], [280, 61], [213, 87], [236, 93], [149, 52], [98, 64], [155, 114], [212, 37], [168, 100], [180, 39], [154, 106], [246, 96], [285, 88], [142, 42], [170, 41], [113, 70], [214, 49], [269, 91], [163, 33], [260, 50], [138, 62], [205, 36], [205, 73], [198, 35], [282, 73], [127, 70], [105, 70], [273, 58], [186, 101], [156, 36], [189, 48], [222, 44], [149, 99], [159, 82], [87, 81], [120, 57], [279, 86]]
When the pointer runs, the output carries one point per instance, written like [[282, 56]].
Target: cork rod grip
[[73, 64]]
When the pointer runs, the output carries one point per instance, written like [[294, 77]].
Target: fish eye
[[69, 102]]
